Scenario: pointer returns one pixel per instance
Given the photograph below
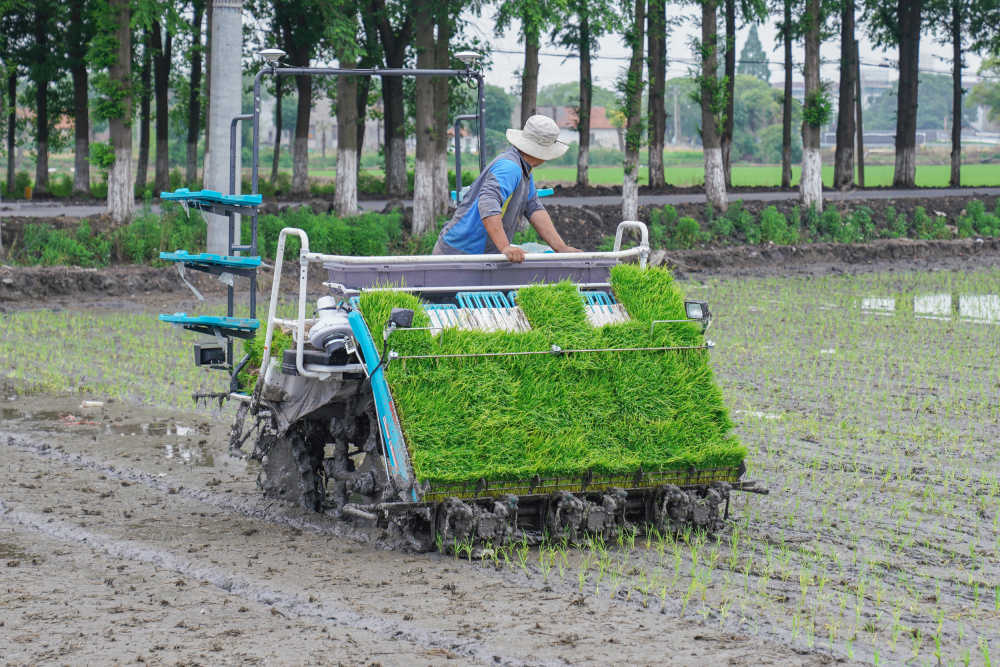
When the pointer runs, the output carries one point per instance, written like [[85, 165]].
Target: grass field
[[770, 175], [973, 175]]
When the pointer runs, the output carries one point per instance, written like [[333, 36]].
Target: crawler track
[[347, 478]]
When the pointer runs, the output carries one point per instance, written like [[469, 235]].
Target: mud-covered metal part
[[565, 515], [675, 509], [605, 515], [291, 466], [411, 529], [455, 524]]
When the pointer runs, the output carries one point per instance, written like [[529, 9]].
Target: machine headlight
[[697, 310]]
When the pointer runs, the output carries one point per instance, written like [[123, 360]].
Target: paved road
[[54, 209]]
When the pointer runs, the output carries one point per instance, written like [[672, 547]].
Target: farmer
[[491, 210]]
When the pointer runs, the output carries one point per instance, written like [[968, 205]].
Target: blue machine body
[[385, 408]]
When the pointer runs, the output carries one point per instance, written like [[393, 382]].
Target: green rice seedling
[[509, 418]]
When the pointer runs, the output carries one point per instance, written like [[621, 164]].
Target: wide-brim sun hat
[[539, 138]]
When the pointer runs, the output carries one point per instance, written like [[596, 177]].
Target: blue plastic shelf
[[211, 197], [210, 259], [482, 300], [239, 327]]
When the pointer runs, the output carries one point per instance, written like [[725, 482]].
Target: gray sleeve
[[532, 204], [490, 197]]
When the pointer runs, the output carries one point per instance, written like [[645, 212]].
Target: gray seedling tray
[[453, 271]]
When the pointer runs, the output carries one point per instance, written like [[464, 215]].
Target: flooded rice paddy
[[870, 405]]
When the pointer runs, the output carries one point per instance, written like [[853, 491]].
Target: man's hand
[[513, 254]]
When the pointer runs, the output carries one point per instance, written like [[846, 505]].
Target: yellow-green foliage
[[514, 417], [280, 341]]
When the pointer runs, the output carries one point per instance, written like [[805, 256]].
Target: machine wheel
[[292, 468]]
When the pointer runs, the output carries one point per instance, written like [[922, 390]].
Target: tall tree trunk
[[144, 112], [423, 176], [441, 94], [843, 161], [81, 129], [586, 97], [859, 116], [715, 178], [529, 78], [956, 91], [811, 184], [121, 196], [361, 102], [633, 114], [208, 72], [42, 26], [394, 45], [786, 105], [906, 111], [279, 94], [658, 81], [345, 199], [194, 97], [12, 131], [396, 182], [162, 44], [730, 67], [81, 103], [371, 57], [300, 149], [677, 117]]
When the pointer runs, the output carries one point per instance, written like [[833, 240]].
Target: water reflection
[[932, 306], [878, 305], [190, 454], [979, 308], [973, 308]]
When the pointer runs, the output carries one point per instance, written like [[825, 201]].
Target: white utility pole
[[227, 88]]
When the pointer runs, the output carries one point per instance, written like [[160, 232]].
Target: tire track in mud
[[253, 508], [245, 587], [498, 605], [287, 603]]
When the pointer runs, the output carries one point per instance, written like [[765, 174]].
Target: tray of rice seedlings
[[454, 417], [574, 427]]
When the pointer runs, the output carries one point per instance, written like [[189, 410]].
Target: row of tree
[[892, 24], [113, 60]]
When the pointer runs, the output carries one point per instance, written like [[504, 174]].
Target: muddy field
[[866, 396]]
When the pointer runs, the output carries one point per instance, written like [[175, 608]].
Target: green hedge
[[365, 234], [140, 241]]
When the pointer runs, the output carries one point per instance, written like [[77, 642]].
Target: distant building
[[603, 134]]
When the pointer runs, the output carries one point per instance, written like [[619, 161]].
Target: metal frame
[[306, 257], [235, 146]]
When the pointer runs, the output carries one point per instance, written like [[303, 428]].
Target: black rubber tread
[[292, 471]]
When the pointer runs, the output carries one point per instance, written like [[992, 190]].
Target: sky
[[612, 56]]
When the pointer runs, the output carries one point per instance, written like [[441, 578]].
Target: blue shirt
[[505, 188]]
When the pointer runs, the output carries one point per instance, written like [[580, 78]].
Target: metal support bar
[[343, 289], [234, 151], [459, 182], [389, 260], [275, 291], [643, 238], [555, 350]]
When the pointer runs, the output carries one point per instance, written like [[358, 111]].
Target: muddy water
[[163, 536], [880, 541]]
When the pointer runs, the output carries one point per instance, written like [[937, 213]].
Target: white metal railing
[[640, 251]]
